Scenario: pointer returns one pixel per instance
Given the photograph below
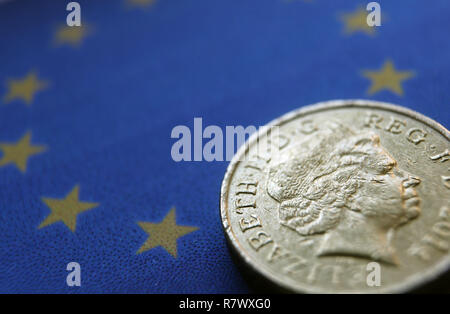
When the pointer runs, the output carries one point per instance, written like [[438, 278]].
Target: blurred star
[[387, 78], [357, 22], [18, 153], [141, 3], [25, 88], [66, 210], [164, 234], [71, 35]]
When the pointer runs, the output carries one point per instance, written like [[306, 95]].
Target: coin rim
[[412, 282]]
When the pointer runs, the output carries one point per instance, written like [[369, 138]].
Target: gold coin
[[346, 196]]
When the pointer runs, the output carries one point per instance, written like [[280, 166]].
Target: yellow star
[[19, 152], [66, 210], [24, 89], [357, 22], [141, 3], [71, 35], [164, 234], [387, 78]]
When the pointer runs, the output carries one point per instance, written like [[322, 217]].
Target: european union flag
[[91, 200]]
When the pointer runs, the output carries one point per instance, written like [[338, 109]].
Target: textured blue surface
[[108, 113]]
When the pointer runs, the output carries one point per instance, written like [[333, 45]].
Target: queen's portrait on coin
[[347, 189]]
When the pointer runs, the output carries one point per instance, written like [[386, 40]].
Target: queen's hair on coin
[[320, 188]]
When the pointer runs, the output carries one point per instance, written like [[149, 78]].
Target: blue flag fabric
[[86, 115]]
